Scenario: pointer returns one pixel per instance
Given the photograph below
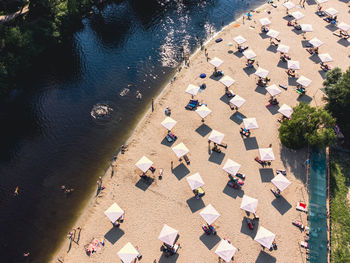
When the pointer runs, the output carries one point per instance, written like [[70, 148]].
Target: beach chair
[[280, 171], [224, 145], [298, 224], [239, 175], [192, 105], [216, 149], [230, 94], [276, 194], [301, 207], [257, 159], [187, 160], [250, 223], [304, 244]]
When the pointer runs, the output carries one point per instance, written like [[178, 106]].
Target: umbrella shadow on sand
[[203, 130], [272, 48], [195, 204], [266, 175], [281, 204], [261, 90], [237, 117], [180, 171], [166, 142], [143, 184], [233, 192], [265, 258], [216, 157], [114, 235], [225, 99], [250, 143], [210, 241], [247, 231], [170, 259]]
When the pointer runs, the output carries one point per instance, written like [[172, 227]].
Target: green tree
[[308, 126], [337, 87]]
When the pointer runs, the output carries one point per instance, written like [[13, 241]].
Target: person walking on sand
[[152, 105]]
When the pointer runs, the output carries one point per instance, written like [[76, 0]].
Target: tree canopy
[[337, 87], [308, 126]]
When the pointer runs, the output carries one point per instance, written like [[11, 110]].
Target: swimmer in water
[[16, 191]]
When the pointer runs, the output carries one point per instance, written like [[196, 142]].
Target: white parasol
[[286, 110], [216, 62], [315, 42], [237, 101], [283, 48], [180, 150], [169, 123], [265, 21], [225, 250], [114, 212], [280, 181], [192, 89], [266, 154], [231, 167], [331, 11], [273, 33], [293, 64], [168, 235], [321, 1], [288, 5], [273, 90], [262, 73], [128, 253], [195, 181], [343, 26], [249, 54], [209, 214], [249, 204], [325, 57], [297, 15], [216, 136], [265, 237], [304, 81], [227, 81], [306, 27], [239, 40], [144, 164], [250, 123], [203, 111]]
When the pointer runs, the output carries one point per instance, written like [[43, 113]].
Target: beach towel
[[218, 40]]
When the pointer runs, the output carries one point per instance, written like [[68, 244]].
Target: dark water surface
[[48, 137]]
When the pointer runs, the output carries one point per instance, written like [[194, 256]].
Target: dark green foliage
[[46, 25], [337, 86], [308, 126]]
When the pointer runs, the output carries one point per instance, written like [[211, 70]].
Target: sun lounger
[[230, 94], [283, 86], [299, 224], [187, 160], [224, 145], [192, 105], [250, 223], [275, 193], [216, 149], [218, 40], [280, 171], [301, 207], [240, 175], [259, 161], [304, 244]]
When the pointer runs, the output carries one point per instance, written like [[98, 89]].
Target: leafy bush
[[308, 126]]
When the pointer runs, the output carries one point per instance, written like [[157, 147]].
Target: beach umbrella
[[297, 15], [288, 5], [231, 167], [169, 123], [283, 48], [249, 54], [239, 40], [216, 62], [266, 154], [265, 21], [250, 123], [168, 235], [315, 42], [293, 64], [225, 250], [192, 89], [209, 214], [304, 81], [128, 253], [280, 181], [331, 11], [273, 90], [286, 110], [144, 164], [343, 26], [195, 181], [114, 212], [306, 27], [265, 237], [216, 136], [203, 111], [321, 1], [262, 73], [180, 150], [325, 57], [249, 204], [237, 101], [227, 81], [273, 33]]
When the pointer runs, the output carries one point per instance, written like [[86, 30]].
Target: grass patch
[[340, 210]]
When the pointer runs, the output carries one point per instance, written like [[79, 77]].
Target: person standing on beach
[[152, 105]]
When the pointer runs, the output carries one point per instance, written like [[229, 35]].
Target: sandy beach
[[148, 206]]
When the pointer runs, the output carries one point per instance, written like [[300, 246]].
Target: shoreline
[[145, 115]]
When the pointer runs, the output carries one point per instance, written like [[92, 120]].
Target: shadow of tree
[[295, 160]]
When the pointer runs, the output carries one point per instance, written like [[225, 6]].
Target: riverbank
[[173, 194]]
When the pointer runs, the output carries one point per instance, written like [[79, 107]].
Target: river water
[[49, 137]]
